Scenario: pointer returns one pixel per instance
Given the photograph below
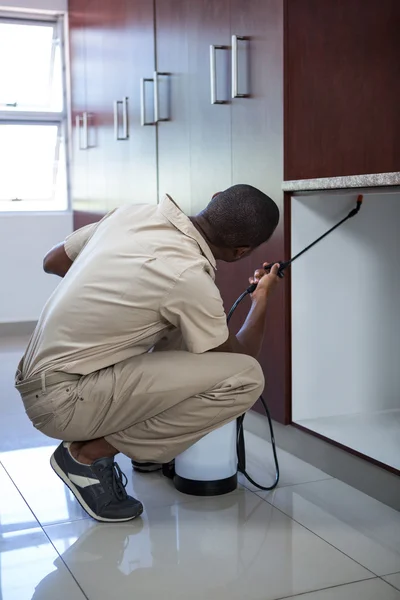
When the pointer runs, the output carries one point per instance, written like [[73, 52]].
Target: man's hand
[[249, 339], [266, 282]]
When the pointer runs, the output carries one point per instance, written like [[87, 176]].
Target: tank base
[[205, 488]]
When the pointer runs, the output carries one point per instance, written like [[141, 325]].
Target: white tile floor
[[314, 538]]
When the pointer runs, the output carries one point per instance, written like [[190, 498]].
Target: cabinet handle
[[85, 131], [213, 74], [143, 121], [125, 121], [78, 121], [156, 97], [235, 74], [116, 124], [125, 125]]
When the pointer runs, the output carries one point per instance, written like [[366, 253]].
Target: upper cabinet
[[112, 49], [172, 21], [187, 97], [183, 97], [342, 73]]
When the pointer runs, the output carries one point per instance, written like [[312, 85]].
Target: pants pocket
[[40, 413], [55, 405]]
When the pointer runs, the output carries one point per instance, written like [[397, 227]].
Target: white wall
[[24, 240], [345, 305]]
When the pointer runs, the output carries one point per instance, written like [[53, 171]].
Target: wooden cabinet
[[336, 92], [173, 131], [339, 89], [210, 125], [342, 88], [115, 124], [87, 19], [112, 47], [138, 63], [204, 140], [257, 159], [94, 154]]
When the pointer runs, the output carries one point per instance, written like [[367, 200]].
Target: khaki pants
[[151, 407]]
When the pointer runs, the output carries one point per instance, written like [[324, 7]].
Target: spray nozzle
[[355, 210]]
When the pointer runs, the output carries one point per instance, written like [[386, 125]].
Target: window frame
[[39, 117]]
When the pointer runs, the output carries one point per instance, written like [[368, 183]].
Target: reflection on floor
[[314, 538], [375, 434]]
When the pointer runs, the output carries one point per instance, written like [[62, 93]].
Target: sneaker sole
[[86, 508], [146, 469]]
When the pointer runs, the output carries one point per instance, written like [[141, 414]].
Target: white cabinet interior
[[346, 321]]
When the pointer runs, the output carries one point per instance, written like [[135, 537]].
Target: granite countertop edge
[[348, 181]]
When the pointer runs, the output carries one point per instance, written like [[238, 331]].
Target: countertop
[[350, 181]]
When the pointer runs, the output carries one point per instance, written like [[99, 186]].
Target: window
[[33, 121]]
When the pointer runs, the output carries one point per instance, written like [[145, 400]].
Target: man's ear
[[216, 194], [242, 252]]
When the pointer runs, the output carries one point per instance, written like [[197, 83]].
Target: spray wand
[[285, 264]]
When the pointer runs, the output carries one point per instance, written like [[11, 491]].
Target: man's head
[[237, 221]]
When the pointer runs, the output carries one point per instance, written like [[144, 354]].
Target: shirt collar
[[169, 209]]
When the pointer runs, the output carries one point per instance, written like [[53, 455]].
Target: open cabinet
[[346, 322]]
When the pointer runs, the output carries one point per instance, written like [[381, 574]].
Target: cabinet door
[[257, 159], [342, 88], [77, 33], [96, 154], [115, 74], [139, 60], [210, 124], [172, 39], [257, 119]]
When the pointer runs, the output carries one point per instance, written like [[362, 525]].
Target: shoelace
[[118, 481]]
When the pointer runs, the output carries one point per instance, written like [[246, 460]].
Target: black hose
[[240, 442]]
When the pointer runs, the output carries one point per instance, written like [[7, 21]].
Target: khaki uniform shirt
[[141, 272]]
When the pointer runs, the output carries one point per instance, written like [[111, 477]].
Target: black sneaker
[[168, 469], [99, 487]]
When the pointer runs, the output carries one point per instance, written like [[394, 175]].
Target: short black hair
[[241, 216]]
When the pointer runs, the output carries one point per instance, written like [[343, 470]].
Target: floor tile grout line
[[40, 526], [153, 507], [389, 574], [375, 575], [44, 527], [86, 516], [21, 494], [285, 485], [388, 582], [331, 587], [66, 566]]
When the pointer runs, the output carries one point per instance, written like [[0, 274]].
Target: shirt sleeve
[[194, 306], [77, 240]]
